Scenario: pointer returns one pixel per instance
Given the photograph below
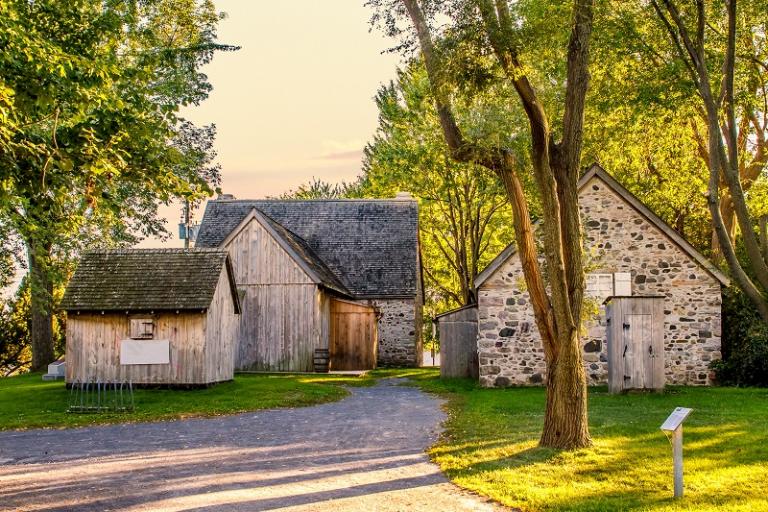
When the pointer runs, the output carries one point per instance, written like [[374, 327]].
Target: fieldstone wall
[[620, 240], [399, 331]]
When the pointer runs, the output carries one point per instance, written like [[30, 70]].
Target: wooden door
[[353, 340], [637, 337], [635, 343]]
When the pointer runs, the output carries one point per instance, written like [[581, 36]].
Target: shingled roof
[[369, 246], [147, 280]]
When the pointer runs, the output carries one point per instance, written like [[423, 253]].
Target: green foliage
[[29, 402], [91, 140], [15, 351], [490, 447], [744, 343], [464, 218], [319, 189], [15, 339]]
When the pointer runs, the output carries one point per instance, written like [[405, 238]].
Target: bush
[[15, 349], [745, 343]]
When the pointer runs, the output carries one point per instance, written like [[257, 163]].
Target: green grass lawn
[[491, 447], [28, 402]]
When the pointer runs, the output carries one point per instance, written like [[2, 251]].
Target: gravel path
[[363, 453]]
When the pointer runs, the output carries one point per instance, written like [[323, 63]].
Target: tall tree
[[319, 189], [557, 301], [646, 104], [713, 74], [91, 141], [464, 215]]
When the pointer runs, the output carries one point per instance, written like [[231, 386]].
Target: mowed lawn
[[28, 402], [491, 447]]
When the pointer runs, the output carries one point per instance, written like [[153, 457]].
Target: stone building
[[631, 251], [295, 260]]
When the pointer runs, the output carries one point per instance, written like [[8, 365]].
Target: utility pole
[[186, 223]]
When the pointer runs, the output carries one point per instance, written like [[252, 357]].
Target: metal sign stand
[[673, 428]]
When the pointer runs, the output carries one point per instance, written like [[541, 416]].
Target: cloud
[[355, 154], [342, 150]]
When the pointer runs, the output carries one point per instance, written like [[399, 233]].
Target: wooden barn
[[152, 316], [337, 280]]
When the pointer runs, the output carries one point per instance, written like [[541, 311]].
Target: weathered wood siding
[[282, 316], [458, 343], [324, 319], [353, 339], [221, 330], [635, 336], [93, 349]]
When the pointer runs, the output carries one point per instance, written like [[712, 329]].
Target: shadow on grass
[[490, 446]]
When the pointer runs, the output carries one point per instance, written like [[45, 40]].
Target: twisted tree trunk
[[556, 171]]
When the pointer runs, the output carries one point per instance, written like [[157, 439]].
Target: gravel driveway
[[363, 453]]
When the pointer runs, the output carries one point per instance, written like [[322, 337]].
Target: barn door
[[638, 367], [353, 336]]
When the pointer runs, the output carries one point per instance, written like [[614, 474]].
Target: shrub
[[745, 343]]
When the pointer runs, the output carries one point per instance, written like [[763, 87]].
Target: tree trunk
[[565, 423], [729, 219], [557, 313], [41, 306]]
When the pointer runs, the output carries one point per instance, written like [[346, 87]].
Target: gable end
[[597, 172]]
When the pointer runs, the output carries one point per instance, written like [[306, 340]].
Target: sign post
[[674, 426]]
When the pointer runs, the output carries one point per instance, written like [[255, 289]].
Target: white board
[[145, 352]]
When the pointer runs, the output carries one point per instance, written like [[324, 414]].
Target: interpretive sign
[[674, 425], [676, 418]]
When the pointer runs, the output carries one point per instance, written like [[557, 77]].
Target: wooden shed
[[294, 304], [152, 316], [458, 342]]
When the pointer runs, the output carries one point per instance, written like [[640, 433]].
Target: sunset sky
[[296, 101]]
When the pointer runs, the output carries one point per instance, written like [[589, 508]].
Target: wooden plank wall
[[353, 336], [93, 349], [281, 323], [458, 344], [221, 331]]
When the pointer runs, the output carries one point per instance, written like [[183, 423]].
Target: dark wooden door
[[353, 336]]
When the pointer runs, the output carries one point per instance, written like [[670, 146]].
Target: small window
[[142, 328], [599, 286], [602, 286]]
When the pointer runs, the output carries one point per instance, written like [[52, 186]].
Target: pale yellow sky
[[296, 101]]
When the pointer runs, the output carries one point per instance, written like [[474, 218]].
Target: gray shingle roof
[[147, 280], [300, 249], [370, 246]]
